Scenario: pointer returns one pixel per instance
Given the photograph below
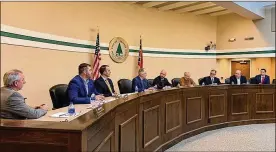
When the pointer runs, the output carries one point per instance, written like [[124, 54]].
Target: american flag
[[97, 58], [140, 59]]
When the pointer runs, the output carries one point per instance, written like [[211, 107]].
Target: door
[[244, 66]]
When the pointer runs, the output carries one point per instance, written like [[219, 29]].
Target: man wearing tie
[[161, 81], [81, 87], [238, 78], [140, 81], [103, 84], [262, 78], [212, 79]]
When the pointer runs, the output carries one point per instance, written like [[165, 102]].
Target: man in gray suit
[[13, 104]]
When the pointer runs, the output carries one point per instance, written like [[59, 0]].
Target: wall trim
[[22, 37]]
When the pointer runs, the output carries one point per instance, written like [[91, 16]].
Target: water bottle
[[71, 109], [203, 84], [247, 82], [232, 83], [136, 89], [93, 97]]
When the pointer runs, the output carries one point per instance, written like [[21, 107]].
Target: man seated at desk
[[187, 81], [13, 104], [161, 81], [238, 78], [262, 78], [103, 84], [141, 82], [81, 87], [212, 79]]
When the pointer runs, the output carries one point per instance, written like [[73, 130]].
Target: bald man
[[187, 81], [238, 78], [161, 81]]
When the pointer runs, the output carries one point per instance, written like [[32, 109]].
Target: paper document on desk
[[62, 115]]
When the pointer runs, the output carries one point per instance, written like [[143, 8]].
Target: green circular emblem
[[118, 49]]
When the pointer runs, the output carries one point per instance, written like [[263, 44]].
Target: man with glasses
[[210, 80]]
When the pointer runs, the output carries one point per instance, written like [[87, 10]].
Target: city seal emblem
[[118, 49]]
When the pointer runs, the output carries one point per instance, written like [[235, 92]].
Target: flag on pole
[[97, 58], [140, 58]]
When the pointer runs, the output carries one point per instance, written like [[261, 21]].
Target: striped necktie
[[108, 85]]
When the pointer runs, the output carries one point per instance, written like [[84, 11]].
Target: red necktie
[[262, 80]]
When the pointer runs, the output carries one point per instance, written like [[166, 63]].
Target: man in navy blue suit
[[81, 87], [238, 78], [140, 81], [103, 84], [212, 79], [262, 78]]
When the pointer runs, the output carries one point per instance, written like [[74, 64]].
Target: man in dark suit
[[103, 84], [13, 104], [238, 78], [161, 81], [81, 87], [262, 78], [140, 81], [212, 79]]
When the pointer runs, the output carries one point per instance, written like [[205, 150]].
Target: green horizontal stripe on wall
[[249, 52], [63, 43]]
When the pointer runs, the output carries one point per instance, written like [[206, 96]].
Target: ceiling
[[196, 8]]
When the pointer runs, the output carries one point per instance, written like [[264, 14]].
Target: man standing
[[81, 87], [238, 78], [212, 79], [13, 104], [103, 84], [187, 81], [262, 78], [161, 81], [140, 81]]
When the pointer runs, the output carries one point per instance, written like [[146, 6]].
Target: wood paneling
[[128, 135], [149, 121], [264, 102], [194, 109], [217, 106], [172, 116], [106, 144], [239, 104], [151, 125]]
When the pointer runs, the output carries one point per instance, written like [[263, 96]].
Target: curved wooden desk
[[146, 122]]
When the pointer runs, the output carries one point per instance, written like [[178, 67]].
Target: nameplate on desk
[[98, 111]]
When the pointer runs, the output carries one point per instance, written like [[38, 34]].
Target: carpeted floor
[[256, 137]]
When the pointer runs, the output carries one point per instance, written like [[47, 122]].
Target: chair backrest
[[150, 82], [125, 86], [199, 80], [227, 81], [274, 81], [175, 81], [59, 96], [252, 80]]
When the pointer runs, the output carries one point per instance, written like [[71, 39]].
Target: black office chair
[[150, 82], [125, 86], [59, 96], [227, 81], [274, 81], [252, 80], [199, 80], [175, 81]]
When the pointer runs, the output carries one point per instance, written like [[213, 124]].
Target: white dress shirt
[[238, 81]]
